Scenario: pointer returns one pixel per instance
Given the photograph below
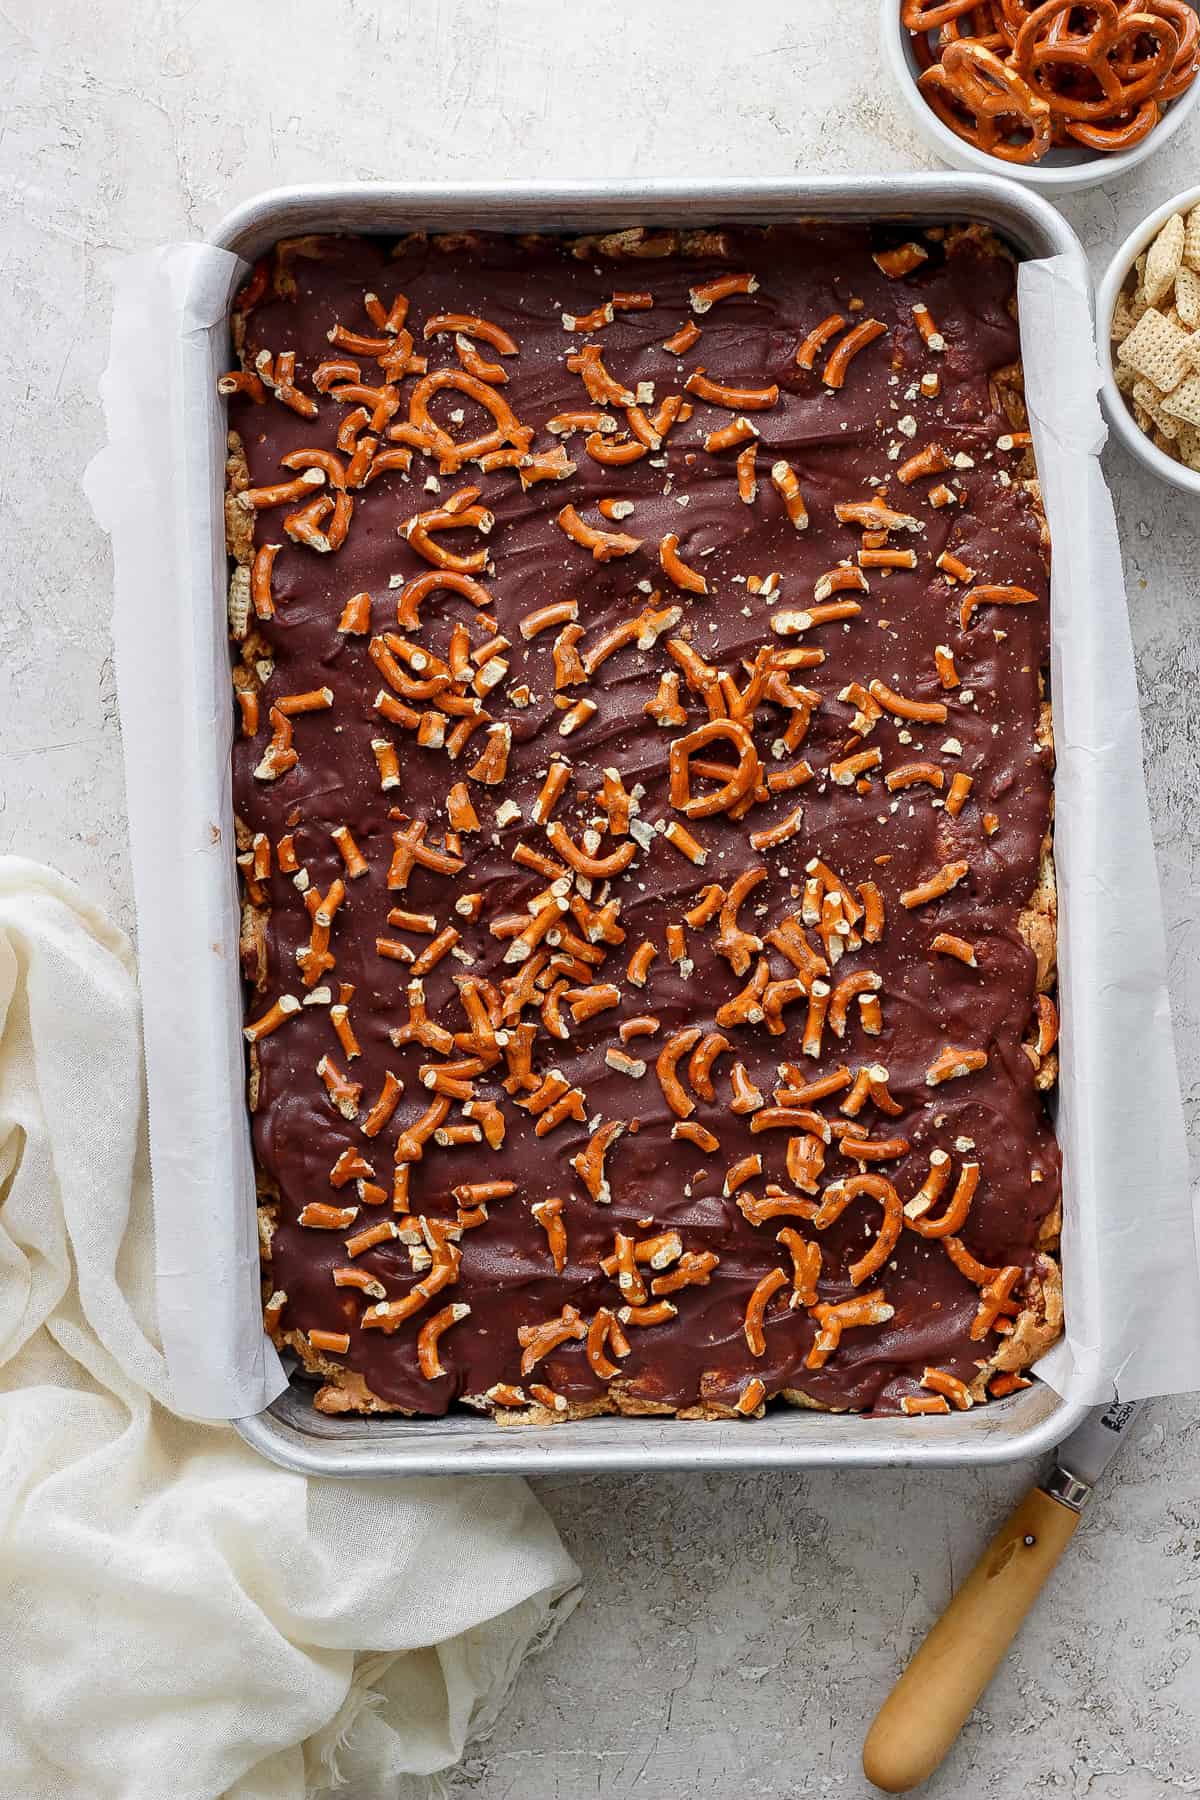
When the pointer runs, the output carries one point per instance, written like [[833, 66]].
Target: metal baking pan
[[291, 1431]]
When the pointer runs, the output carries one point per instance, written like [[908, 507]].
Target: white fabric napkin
[[177, 1615]]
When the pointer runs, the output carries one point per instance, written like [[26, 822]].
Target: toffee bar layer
[[643, 790]]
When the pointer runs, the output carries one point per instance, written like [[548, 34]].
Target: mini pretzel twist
[[992, 596], [927, 15], [420, 530], [863, 1309], [537, 1341], [756, 1308], [806, 1266], [666, 1067], [917, 1210], [979, 96], [741, 780], [700, 1065], [604, 545], [836, 1199], [1049, 46], [430, 1335], [603, 1331], [588, 1164], [746, 1007], [548, 1214], [694, 1269], [738, 947], [433, 437]]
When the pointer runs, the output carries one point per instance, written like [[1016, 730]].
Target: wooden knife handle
[[927, 1708]]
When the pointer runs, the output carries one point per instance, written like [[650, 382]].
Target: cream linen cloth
[[179, 1619]]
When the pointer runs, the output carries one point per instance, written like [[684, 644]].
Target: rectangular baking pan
[[291, 1431]]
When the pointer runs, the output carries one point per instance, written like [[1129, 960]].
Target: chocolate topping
[[843, 446]]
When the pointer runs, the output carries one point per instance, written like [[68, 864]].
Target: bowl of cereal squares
[[1148, 328]]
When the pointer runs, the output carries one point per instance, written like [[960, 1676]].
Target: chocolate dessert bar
[[643, 792]]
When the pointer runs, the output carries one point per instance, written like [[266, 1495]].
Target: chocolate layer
[[843, 445]]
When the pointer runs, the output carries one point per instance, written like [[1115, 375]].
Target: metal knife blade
[[1083, 1457]]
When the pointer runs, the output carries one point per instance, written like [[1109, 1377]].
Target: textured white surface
[[737, 1633]]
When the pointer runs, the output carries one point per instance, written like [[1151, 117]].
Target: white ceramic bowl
[[1060, 171], [1115, 409]]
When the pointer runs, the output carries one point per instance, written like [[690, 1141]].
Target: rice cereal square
[[1191, 240], [1184, 403], [1163, 260], [1187, 296], [1157, 351]]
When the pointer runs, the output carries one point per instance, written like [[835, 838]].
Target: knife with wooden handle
[[927, 1708]]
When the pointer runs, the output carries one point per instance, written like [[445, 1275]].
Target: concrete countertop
[[737, 1633]]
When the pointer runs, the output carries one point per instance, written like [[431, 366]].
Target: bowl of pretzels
[[1061, 94]]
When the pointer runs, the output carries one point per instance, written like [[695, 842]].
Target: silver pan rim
[[290, 1432]]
